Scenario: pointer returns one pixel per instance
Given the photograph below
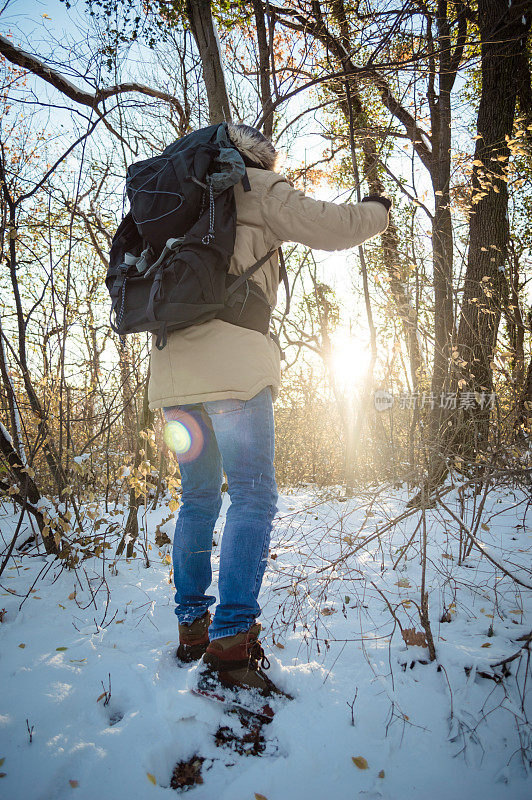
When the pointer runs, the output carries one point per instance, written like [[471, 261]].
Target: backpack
[[170, 254]]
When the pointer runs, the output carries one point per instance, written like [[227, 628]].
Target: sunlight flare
[[350, 361]]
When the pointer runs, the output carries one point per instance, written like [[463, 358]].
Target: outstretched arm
[[291, 216]]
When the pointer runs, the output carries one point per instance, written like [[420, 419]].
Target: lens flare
[[177, 437], [183, 435]]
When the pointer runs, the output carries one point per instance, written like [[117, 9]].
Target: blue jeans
[[235, 437]]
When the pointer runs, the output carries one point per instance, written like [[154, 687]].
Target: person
[[216, 383]]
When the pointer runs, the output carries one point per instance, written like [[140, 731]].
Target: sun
[[350, 360]]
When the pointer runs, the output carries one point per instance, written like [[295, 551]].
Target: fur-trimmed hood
[[253, 145]]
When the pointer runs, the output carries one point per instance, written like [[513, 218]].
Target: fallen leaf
[[404, 583], [2, 761], [74, 784], [60, 649], [72, 595], [486, 644], [260, 796], [360, 762], [152, 778], [279, 645], [22, 646], [381, 774], [327, 611], [414, 638], [101, 698]]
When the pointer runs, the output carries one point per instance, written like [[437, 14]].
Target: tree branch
[[34, 65]]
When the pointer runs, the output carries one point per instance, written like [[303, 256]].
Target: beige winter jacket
[[217, 360]]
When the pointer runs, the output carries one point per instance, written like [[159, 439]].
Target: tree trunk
[[28, 491], [202, 27], [131, 530], [503, 38], [264, 69], [16, 431]]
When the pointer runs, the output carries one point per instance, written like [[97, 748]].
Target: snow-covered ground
[[435, 730]]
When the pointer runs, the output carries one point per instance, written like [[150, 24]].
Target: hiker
[[216, 383]]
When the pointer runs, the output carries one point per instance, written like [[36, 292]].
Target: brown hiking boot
[[193, 639], [235, 660]]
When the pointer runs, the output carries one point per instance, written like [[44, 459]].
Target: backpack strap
[[247, 274], [251, 271], [284, 277], [245, 182]]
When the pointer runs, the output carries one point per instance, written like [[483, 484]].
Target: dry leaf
[[72, 596], [279, 645], [22, 646], [404, 583], [2, 761], [101, 697], [360, 762], [152, 778], [381, 774], [74, 784], [60, 649], [260, 796], [414, 638], [327, 611], [486, 644]]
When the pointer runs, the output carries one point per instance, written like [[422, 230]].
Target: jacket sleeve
[[291, 216]]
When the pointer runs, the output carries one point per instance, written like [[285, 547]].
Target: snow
[[80, 459], [6, 434], [439, 733]]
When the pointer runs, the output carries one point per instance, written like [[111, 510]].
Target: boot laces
[[256, 655]]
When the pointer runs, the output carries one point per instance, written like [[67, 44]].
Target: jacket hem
[[226, 394]]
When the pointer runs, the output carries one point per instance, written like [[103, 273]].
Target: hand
[[378, 198]]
